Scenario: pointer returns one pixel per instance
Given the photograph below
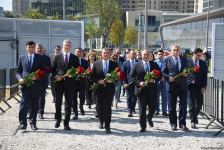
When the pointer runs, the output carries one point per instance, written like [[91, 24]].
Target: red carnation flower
[[196, 69], [156, 72], [39, 74]]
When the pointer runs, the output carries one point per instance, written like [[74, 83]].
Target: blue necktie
[[146, 67], [105, 68], [30, 62]]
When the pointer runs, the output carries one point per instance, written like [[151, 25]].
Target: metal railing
[[213, 103], [13, 86]]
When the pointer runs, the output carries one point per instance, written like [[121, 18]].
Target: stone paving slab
[[85, 133]]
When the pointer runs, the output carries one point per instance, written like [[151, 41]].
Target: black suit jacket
[[84, 63], [98, 74], [58, 66], [138, 73], [201, 76]]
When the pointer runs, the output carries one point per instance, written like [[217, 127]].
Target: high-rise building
[[201, 6], [1, 12], [19, 7], [48, 7], [181, 6], [55, 7]]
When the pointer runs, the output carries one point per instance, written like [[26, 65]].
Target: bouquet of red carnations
[[187, 71], [115, 75], [29, 80], [149, 78]]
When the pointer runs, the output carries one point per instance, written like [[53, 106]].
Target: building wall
[[19, 7], [202, 5], [182, 6], [1, 12]]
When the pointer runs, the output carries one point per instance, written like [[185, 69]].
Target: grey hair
[[67, 41], [39, 45], [175, 45]]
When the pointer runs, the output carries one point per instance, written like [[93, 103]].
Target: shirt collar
[[145, 62], [175, 57], [105, 61]]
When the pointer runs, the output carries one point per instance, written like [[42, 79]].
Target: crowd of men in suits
[[134, 64]]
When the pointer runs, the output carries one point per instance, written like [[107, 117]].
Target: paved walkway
[[86, 135]]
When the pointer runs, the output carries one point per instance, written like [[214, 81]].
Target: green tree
[[116, 34], [106, 10], [91, 31], [8, 14], [34, 14], [130, 37]]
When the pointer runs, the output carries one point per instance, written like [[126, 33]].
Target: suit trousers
[[65, 88], [195, 102], [148, 97], [81, 91], [175, 90], [29, 104], [104, 98], [131, 98]]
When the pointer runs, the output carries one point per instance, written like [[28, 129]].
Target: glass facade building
[[55, 7], [190, 32]]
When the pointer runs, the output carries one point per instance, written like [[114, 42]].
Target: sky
[[6, 4]]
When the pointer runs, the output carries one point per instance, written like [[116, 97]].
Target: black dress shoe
[[89, 106], [173, 127], [108, 131], [33, 127], [22, 126], [130, 115], [57, 124], [193, 125], [67, 127], [41, 116], [101, 126], [75, 117], [142, 130], [151, 123], [183, 128]]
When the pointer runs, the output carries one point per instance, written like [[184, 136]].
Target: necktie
[[66, 60], [105, 68], [146, 67], [30, 62], [80, 61], [132, 64], [177, 65]]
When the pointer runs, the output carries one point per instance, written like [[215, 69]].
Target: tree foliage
[[116, 34], [34, 14], [8, 14], [106, 10], [130, 37]]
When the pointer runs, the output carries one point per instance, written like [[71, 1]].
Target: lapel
[[142, 67], [182, 63], [70, 59], [34, 61], [172, 61]]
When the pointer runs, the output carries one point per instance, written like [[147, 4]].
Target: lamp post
[[207, 28], [64, 10], [139, 29], [146, 23]]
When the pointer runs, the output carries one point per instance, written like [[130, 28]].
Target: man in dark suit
[[148, 94], [81, 87], [57, 51], [47, 64], [197, 86], [64, 85], [128, 85], [175, 64], [105, 92], [29, 63]]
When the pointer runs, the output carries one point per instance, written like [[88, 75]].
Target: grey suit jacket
[[169, 70]]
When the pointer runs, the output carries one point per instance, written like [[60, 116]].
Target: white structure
[[217, 59], [14, 33]]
